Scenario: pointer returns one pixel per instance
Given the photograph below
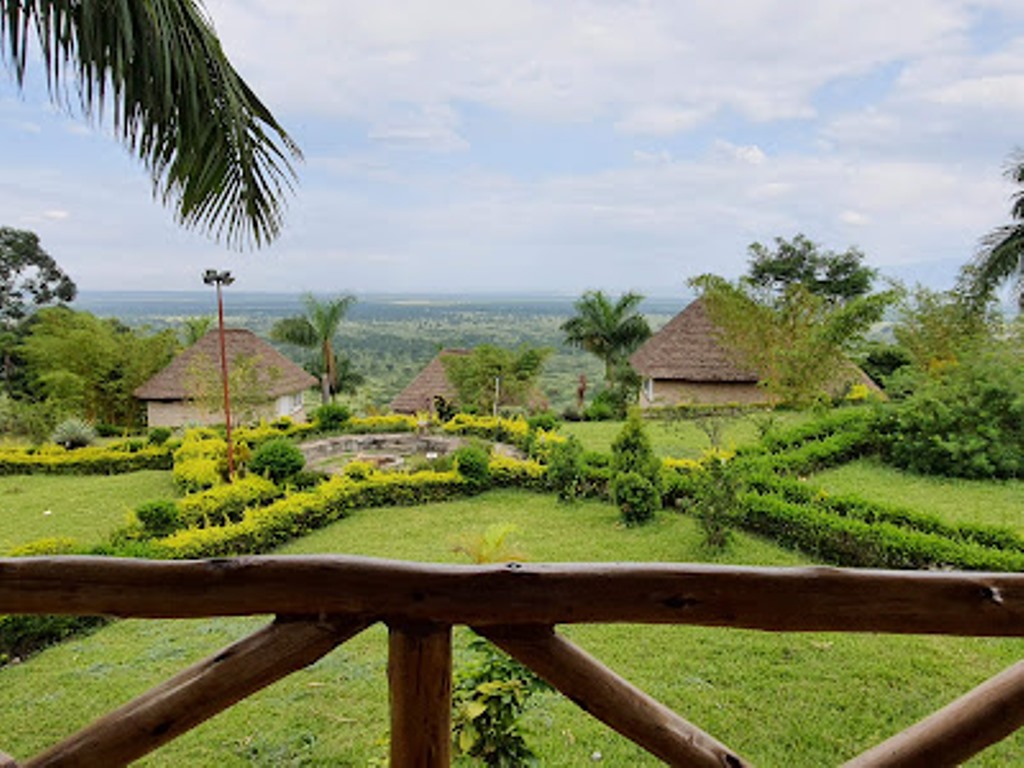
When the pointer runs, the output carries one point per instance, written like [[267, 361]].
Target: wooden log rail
[[322, 601]]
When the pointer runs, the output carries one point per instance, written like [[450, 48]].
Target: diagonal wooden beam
[[612, 699], [963, 728], [420, 683], [200, 692]]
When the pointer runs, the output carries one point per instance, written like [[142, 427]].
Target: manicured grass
[[85, 508], [779, 699], [681, 438], [953, 500]]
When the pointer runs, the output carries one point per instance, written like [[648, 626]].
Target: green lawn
[[85, 508], [953, 500], [779, 699], [681, 438]]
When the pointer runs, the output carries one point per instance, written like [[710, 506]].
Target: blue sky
[[520, 145]]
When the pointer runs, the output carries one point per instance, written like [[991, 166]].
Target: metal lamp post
[[213, 277]]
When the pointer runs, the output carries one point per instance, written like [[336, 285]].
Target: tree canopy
[[796, 342], [474, 375], [316, 330], [610, 330], [29, 276], [213, 150], [834, 276]]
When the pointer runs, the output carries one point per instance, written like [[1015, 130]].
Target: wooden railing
[[320, 602]]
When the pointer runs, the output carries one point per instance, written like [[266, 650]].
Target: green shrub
[[21, 636], [198, 474], [92, 460], [331, 416], [490, 693], [565, 469], [636, 497], [715, 502], [108, 430], [358, 470], [53, 545], [277, 460], [226, 503], [73, 433], [507, 472], [546, 420], [632, 452], [471, 462], [965, 422], [158, 518], [159, 435]]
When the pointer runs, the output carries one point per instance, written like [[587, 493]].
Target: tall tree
[[212, 148], [1001, 256], [837, 277], [29, 278], [316, 330], [796, 342], [611, 331], [90, 366]]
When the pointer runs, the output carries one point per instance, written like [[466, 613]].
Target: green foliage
[[715, 501], [565, 469], [611, 331], [472, 463], [474, 376], [632, 451], [92, 366], [226, 503], [21, 636], [29, 277], [500, 429], [795, 342], [211, 147], [937, 329], [159, 518], [316, 330], [837, 277], [507, 472], [1001, 257], [330, 417], [637, 497], [248, 382], [159, 435], [277, 460], [494, 545], [490, 693], [263, 528], [965, 422], [73, 433], [91, 460]]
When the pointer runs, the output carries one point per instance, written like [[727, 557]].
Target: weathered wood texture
[[198, 693], [779, 599], [612, 699], [987, 714], [420, 680]]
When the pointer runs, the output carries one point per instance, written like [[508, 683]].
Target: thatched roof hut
[[431, 382]]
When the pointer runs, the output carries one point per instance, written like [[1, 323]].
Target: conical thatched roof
[[687, 349], [280, 375], [432, 381]]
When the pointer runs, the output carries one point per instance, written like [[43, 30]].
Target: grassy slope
[[779, 699], [953, 500], [85, 508]]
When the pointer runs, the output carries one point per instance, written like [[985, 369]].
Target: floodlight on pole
[[222, 278]]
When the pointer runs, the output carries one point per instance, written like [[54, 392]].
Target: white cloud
[[661, 120]]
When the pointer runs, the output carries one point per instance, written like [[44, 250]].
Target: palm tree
[[212, 149], [316, 330], [1001, 257], [610, 331]]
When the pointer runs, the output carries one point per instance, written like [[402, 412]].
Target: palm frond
[[213, 150]]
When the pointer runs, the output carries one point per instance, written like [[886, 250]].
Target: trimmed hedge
[[854, 543], [226, 503], [115, 459], [263, 528]]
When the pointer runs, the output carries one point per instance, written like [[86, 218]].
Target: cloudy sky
[[542, 145]]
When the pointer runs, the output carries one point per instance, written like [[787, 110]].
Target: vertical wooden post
[[420, 680]]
